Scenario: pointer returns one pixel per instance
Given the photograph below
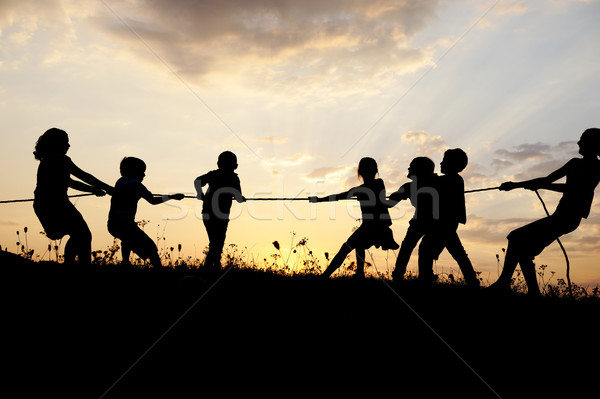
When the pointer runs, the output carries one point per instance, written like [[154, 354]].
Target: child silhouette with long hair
[[422, 195], [51, 204], [123, 206], [451, 189], [375, 227], [223, 187], [525, 243]]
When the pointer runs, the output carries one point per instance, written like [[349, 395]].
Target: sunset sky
[[300, 91]]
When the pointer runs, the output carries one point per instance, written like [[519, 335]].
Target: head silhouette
[[133, 167], [367, 168], [421, 167], [227, 161], [589, 143], [53, 141], [455, 161]]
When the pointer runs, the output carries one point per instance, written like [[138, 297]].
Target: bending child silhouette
[[525, 243], [123, 207], [451, 188], [223, 188], [56, 213], [420, 191], [375, 227]]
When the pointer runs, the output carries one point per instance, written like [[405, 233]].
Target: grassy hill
[[103, 331]]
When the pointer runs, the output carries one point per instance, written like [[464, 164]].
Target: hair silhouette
[[525, 243], [132, 167], [375, 227], [52, 141]]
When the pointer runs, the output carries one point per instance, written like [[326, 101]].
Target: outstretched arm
[[540, 182], [329, 198], [77, 185], [159, 199], [401, 194], [89, 179]]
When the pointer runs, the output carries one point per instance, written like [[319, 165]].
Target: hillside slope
[[89, 332]]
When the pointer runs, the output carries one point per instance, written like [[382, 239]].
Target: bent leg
[[80, 238], [217, 231], [528, 269], [136, 240], [457, 251], [338, 259], [412, 237], [430, 249], [511, 260], [360, 262]]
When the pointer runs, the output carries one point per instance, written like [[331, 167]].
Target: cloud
[[292, 160], [510, 7], [527, 161], [426, 144], [274, 140], [273, 45], [526, 152], [329, 173]]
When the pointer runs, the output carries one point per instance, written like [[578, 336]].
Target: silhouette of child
[[223, 188], [375, 227], [525, 243], [56, 213], [422, 195], [451, 188], [123, 206]]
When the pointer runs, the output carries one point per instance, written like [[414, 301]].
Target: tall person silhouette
[[375, 227], [123, 206], [452, 212], [223, 187], [56, 213], [525, 243]]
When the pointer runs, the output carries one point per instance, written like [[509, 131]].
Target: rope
[[247, 199], [31, 199], [481, 189], [561, 247]]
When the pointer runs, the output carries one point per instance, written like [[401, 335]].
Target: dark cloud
[[526, 152], [527, 161], [274, 41]]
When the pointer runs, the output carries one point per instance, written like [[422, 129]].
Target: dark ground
[[94, 332]]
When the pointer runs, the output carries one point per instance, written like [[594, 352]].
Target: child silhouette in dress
[[375, 227]]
